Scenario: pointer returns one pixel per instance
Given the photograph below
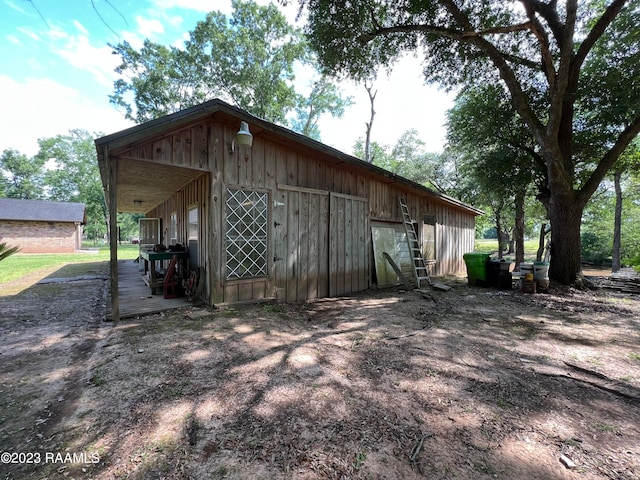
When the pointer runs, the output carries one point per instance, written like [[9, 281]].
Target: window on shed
[[246, 233], [429, 237], [173, 228], [192, 218]]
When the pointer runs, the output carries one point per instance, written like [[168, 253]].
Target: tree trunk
[[543, 235], [511, 239], [498, 215], [518, 229], [565, 214], [367, 142], [617, 224]]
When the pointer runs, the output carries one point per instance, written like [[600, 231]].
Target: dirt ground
[[472, 383]]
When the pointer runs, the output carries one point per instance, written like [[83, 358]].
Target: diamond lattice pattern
[[246, 236]]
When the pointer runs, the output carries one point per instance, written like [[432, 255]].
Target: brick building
[[41, 227]]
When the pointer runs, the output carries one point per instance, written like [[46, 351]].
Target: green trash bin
[[476, 263]]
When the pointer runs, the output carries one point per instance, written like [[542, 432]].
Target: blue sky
[[57, 71]]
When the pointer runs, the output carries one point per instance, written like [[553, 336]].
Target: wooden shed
[[39, 226], [287, 218]]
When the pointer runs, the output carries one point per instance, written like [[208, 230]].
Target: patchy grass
[[20, 271]]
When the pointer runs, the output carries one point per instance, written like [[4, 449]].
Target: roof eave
[[189, 115]]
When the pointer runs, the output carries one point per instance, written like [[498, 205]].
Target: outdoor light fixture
[[137, 202], [242, 138]]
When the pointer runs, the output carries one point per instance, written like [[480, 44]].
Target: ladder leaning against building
[[418, 264]]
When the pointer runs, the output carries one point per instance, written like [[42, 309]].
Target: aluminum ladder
[[420, 271]]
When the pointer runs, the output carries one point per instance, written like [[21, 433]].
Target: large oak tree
[[553, 58]]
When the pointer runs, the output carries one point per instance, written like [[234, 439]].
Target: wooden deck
[[135, 296]]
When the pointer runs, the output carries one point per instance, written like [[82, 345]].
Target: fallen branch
[[588, 371], [402, 336], [613, 391], [418, 447], [411, 334]]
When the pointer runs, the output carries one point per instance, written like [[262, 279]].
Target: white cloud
[[81, 28], [15, 7], [197, 5], [223, 6], [13, 39], [149, 28], [29, 33], [77, 51], [42, 108], [174, 21]]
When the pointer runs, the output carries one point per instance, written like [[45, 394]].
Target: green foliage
[[128, 224], [595, 249], [409, 159], [247, 59], [6, 251], [73, 175], [20, 176], [597, 222], [324, 98], [157, 90]]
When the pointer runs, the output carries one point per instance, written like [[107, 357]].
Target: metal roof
[[41, 211]]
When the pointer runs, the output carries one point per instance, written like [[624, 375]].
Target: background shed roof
[[41, 211]]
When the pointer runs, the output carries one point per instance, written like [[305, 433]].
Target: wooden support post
[[112, 202]]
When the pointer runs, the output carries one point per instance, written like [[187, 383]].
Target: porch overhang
[[142, 185]]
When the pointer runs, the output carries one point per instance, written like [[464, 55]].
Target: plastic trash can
[[476, 263]]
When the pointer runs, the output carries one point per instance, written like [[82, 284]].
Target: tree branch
[[557, 113], [409, 28], [543, 39], [507, 29], [550, 14], [518, 97], [609, 159], [597, 31]]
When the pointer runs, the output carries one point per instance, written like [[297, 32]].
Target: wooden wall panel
[[280, 240], [258, 165], [313, 222], [182, 148], [292, 254], [199, 146], [216, 160], [302, 281], [163, 151], [292, 168], [346, 267], [301, 244]]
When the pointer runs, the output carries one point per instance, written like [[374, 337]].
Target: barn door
[[320, 244], [301, 244], [348, 252]]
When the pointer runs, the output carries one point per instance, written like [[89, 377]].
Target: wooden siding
[[301, 244], [320, 237]]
